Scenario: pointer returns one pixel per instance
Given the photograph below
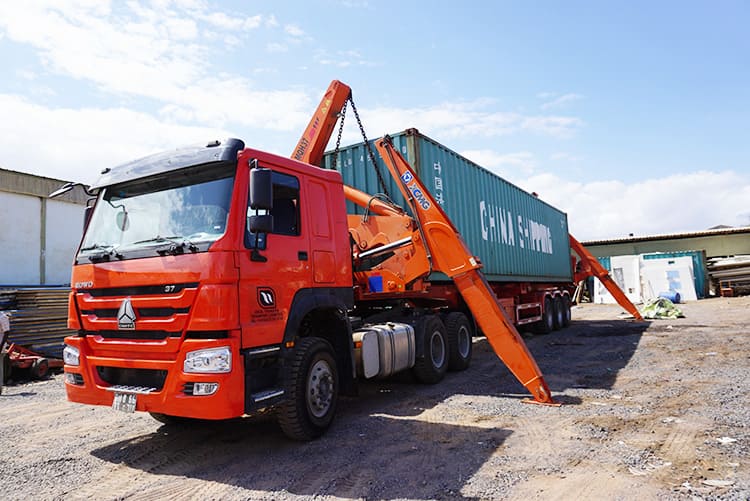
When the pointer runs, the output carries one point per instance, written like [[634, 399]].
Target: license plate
[[124, 402]]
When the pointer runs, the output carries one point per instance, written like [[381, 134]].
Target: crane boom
[[590, 266], [451, 256], [312, 144]]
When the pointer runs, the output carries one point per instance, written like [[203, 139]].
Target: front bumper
[[99, 374]]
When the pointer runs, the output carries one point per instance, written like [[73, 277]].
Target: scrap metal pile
[[730, 276], [38, 318]]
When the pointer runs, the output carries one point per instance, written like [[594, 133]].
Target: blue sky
[[630, 116]]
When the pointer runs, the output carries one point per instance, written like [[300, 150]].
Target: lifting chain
[[338, 137], [370, 153]]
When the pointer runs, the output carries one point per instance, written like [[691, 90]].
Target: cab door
[[275, 265]]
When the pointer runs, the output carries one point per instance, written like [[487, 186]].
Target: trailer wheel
[[458, 333], [40, 368], [547, 323], [566, 310], [559, 308], [430, 368], [311, 388]]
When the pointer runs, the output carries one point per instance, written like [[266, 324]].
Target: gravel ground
[[653, 410]]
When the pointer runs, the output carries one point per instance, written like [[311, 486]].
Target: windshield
[[179, 209]]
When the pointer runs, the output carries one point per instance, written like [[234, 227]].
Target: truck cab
[[180, 308]]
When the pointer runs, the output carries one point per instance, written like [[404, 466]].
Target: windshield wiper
[[107, 251], [174, 244]]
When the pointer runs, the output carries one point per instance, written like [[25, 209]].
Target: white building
[[38, 236]]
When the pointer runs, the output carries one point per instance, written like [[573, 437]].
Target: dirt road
[[652, 410]]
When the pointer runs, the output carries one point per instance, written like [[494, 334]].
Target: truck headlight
[[211, 360], [71, 355]]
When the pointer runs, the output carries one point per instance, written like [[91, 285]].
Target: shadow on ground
[[381, 445], [427, 461]]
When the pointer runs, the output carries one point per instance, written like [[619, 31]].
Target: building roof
[[22, 183], [671, 236]]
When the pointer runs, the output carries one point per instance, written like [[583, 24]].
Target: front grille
[[101, 312], [149, 335], [141, 312], [152, 378], [188, 388], [160, 312], [140, 291]]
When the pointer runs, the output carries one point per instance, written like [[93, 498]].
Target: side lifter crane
[[430, 243]]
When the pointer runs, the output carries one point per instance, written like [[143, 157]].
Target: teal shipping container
[[517, 236]]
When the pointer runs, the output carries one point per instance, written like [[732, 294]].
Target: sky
[[632, 117]]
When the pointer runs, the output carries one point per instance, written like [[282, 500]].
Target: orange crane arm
[[311, 145], [450, 255], [590, 266]]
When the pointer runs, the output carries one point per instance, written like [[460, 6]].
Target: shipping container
[[700, 270], [517, 236]]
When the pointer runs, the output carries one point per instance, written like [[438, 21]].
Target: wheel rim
[[437, 349], [464, 342], [320, 388]]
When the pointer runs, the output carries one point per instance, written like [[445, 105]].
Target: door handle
[[302, 255]]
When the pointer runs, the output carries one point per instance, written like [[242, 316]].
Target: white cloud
[[276, 47], [680, 202], [559, 101], [468, 119], [294, 30], [181, 29], [77, 143], [271, 22], [135, 55], [226, 22], [506, 164]]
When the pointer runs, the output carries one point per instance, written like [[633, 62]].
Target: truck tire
[[559, 309], [566, 311], [458, 332], [431, 367], [40, 368], [547, 323], [311, 388]]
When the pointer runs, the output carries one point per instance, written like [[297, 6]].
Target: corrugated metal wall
[[517, 236], [38, 236]]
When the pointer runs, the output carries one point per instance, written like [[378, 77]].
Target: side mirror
[[62, 190], [260, 223], [261, 189]]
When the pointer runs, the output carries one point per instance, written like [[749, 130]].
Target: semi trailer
[[219, 280]]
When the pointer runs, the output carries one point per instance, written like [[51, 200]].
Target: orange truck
[[217, 281]]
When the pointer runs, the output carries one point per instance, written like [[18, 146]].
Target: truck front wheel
[[311, 388]]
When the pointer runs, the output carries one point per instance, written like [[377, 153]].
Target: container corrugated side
[[517, 236]]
